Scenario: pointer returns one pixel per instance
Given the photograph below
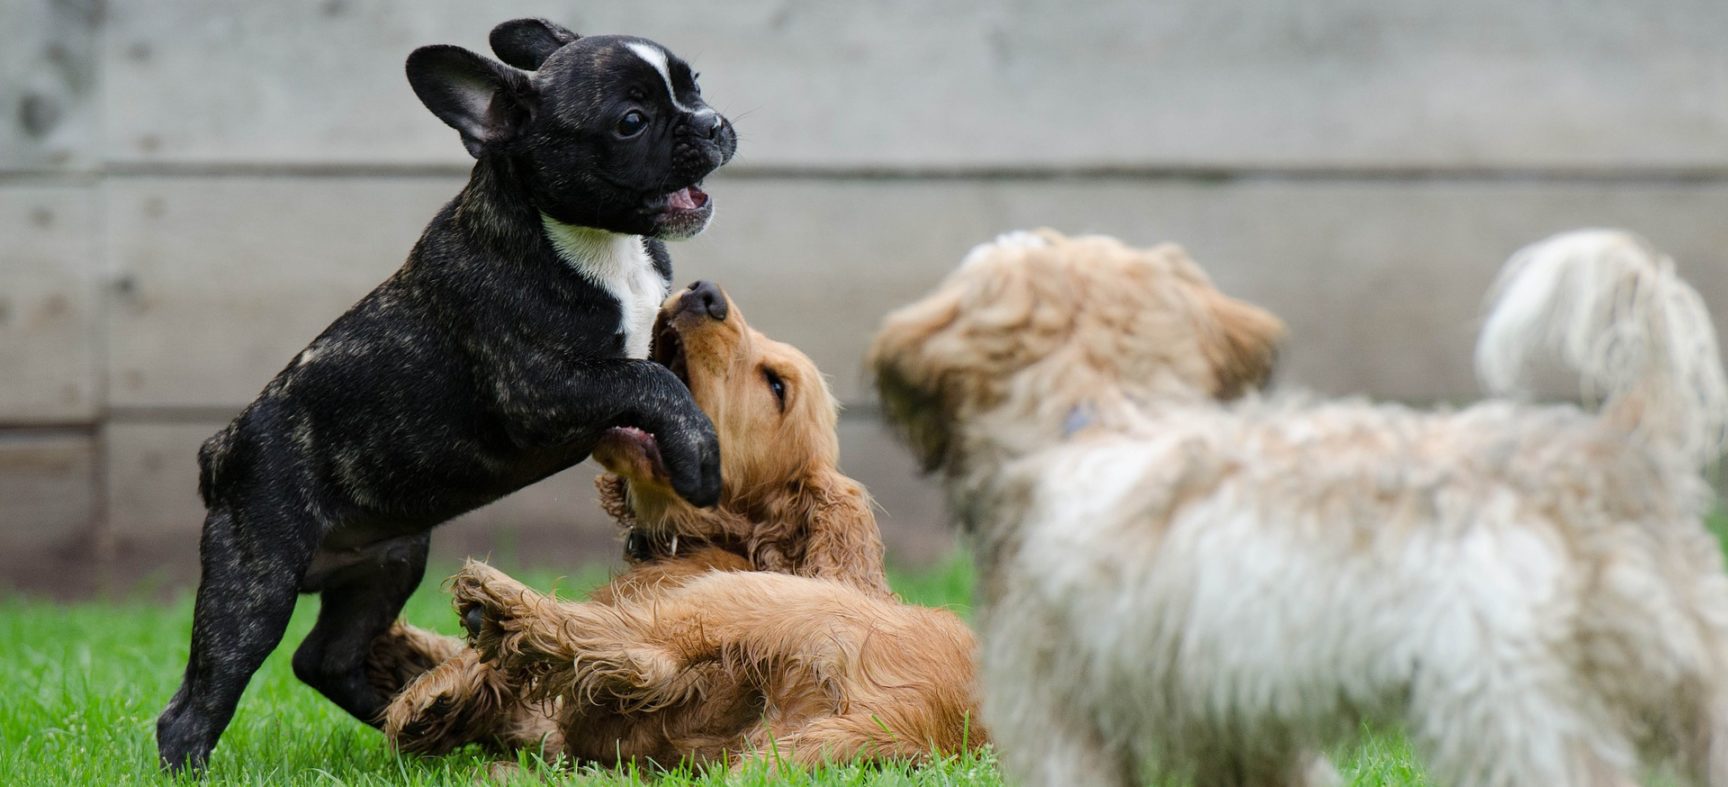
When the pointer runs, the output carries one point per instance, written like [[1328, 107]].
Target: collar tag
[[1080, 417]]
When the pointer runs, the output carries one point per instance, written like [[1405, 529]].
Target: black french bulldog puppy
[[515, 335]]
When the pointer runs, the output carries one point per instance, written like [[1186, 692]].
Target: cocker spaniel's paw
[[490, 604], [461, 701]]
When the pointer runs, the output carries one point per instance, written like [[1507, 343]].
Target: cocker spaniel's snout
[[703, 297]]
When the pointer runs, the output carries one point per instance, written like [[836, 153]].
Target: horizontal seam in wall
[[21, 431], [167, 414], [1220, 173]]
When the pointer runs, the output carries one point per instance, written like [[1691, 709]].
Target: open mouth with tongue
[[684, 212], [687, 198]]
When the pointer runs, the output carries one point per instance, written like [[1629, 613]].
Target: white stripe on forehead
[[656, 57]]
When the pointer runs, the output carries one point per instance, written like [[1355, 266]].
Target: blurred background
[[190, 190]]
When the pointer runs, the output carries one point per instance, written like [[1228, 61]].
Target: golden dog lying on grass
[[1219, 590], [763, 627]]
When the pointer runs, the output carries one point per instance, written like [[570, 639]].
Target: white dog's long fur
[[1220, 591]]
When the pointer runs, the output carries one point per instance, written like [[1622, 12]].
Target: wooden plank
[[49, 327], [220, 281], [153, 487], [152, 481], [47, 84], [909, 506], [1360, 83], [1381, 282], [47, 490]]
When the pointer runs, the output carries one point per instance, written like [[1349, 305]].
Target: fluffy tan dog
[[683, 656], [1218, 590]]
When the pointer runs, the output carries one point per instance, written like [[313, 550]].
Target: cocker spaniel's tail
[[1608, 307]]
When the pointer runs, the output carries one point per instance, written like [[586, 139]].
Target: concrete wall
[[189, 190]]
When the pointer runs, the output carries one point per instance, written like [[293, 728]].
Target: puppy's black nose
[[707, 297]]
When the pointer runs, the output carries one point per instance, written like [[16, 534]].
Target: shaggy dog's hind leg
[[1054, 748], [1521, 738], [1307, 769]]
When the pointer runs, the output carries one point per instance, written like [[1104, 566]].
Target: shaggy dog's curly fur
[[1217, 590], [685, 655]]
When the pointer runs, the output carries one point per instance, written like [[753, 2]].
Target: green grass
[[85, 681]]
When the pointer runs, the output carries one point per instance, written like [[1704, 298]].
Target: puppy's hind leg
[[252, 563], [352, 613]]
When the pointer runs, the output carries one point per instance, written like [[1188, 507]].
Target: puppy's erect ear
[[486, 101], [1245, 346], [526, 43]]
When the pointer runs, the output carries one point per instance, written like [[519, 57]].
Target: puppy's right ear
[[486, 101], [526, 43]]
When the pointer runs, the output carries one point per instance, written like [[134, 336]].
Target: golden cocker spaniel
[[763, 627]]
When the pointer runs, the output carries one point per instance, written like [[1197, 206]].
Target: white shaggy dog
[[1177, 585]]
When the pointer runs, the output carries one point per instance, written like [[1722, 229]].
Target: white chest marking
[[656, 57], [620, 265]]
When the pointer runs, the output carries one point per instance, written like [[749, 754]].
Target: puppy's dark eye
[[632, 123], [777, 386]]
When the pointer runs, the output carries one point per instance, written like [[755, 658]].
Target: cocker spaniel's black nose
[[706, 297]]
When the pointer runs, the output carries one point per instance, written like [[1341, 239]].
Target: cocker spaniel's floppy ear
[[841, 540], [1243, 347]]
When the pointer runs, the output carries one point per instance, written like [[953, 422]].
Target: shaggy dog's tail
[[1608, 307]]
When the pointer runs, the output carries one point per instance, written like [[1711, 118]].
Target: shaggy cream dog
[[1217, 591]]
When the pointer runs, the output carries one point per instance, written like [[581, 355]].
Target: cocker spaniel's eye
[[776, 385]]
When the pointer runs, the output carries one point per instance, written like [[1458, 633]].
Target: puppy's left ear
[[1244, 347], [526, 43], [484, 100]]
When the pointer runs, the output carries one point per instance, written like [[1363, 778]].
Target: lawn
[[84, 683]]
